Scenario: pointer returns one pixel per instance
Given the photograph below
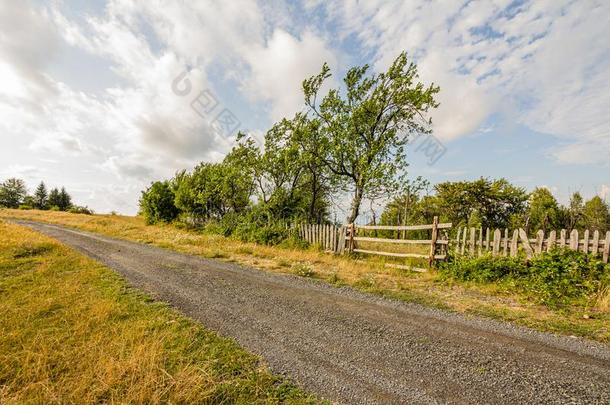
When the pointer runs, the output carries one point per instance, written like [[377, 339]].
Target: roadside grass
[[367, 274], [72, 331]]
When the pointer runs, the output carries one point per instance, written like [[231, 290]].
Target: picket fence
[[471, 241], [328, 237]]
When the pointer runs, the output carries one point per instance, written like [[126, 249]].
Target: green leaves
[[157, 203], [366, 131]]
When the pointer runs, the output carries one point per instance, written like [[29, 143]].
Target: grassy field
[[71, 331], [371, 275]]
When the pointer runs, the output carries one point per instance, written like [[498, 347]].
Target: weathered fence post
[[574, 239], [350, 245], [595, 247], [526, 243], [585, 245], [551, 242], [606, 247], [472, 240], [514, 245], [496, 243], [341, 246], [433, 241], [562, 238], [463, 240], [539, 241]]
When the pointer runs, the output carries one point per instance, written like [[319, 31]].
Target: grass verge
[[370, 275], [71, 331]]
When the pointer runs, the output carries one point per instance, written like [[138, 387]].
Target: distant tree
[[299, 144], [543, 211], [54, 200], [574, 214], [65, 200], [41, 197], [403, 209], [12, 193], [27, 203], [490, 203], [366, 130], [596, 215], [157, 203]]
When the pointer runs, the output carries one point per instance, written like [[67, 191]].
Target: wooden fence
[[438, 244], [471, 241], [327, 236], [348, 239]]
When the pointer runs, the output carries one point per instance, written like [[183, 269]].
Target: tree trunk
[[355, 210]]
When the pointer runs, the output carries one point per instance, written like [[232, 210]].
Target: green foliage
[[60, 199], [213, 190], [41, 197], [157, 203], [559, 277], [77, 209], [271, 234], [490, 202], [12, 193], [365, 132], [544, 212], [596, 215]]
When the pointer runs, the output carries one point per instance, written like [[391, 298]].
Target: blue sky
[[86, 97]]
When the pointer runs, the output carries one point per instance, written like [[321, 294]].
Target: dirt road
[[356, 348]]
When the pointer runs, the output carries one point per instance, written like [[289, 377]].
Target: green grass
[[71, 330]]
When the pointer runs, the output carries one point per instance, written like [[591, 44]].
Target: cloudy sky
[[105, 96]]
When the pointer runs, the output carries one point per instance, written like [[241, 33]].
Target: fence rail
[[339, 239], [504, 243]]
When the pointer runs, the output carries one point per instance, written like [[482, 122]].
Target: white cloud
[[279, 66], [546, 62]]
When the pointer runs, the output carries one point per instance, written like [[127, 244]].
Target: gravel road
[[352, 347]]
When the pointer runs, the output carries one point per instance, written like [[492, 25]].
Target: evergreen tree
[[65, 200], [54, 200], [41, 197]]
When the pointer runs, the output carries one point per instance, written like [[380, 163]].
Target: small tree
[[12, 193], [596, 215], [65, 200], [366, 131], [157, 203], [54, 200], [543, 212], [41, 197]]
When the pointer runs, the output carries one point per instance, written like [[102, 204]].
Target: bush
[[554, 278], [25, 207], [262, 234], [157, 203], [76, 209]]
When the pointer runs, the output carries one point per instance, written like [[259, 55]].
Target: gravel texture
[[351, 347]]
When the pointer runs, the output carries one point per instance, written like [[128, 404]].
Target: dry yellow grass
[[368, 274], [71, 331]]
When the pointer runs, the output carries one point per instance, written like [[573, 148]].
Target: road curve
[[351, 347]]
